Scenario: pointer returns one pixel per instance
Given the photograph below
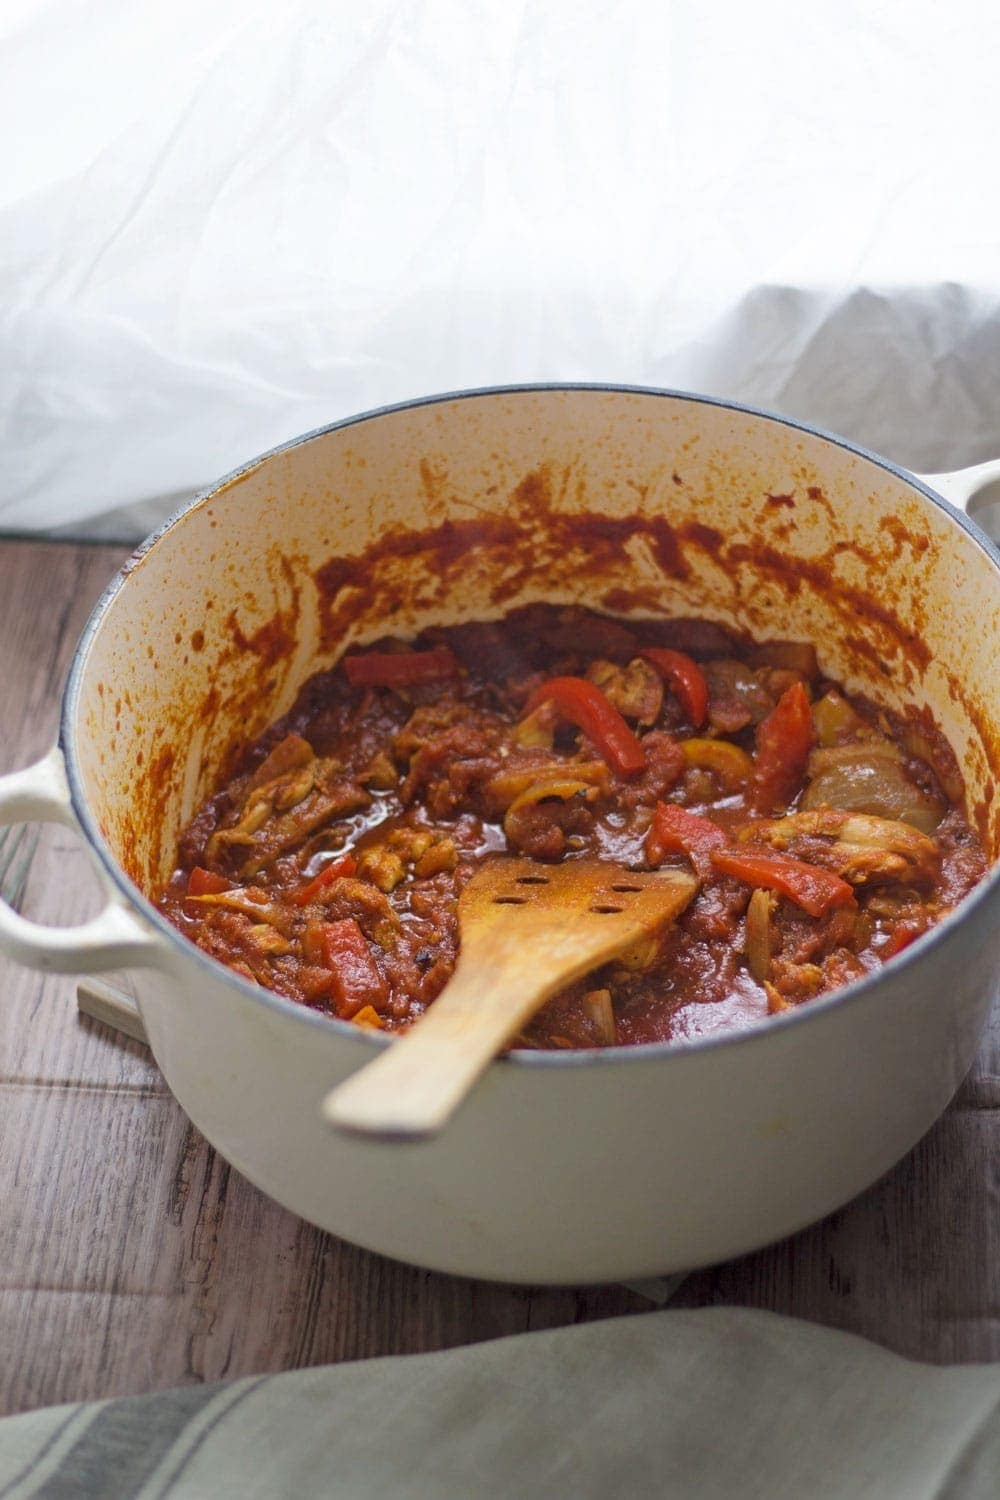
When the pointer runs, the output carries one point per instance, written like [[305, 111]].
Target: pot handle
[[115, 939], [961, 485]]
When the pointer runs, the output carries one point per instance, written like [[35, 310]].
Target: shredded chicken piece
[[427, 853], [382, 866], [268, 940], [287, 830], [280, 811], [434, 768], [636, 690], [441, 855], [424, 724], [379, 773], [290, 790], [862, 850], [290, 754], [537, 729], [640, 955], [347, 897], [795, 982], [243, 832], [410, 843]]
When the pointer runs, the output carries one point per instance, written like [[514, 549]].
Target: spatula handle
[[413, 1088]]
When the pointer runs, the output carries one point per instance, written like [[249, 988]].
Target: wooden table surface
[[132, 1257]]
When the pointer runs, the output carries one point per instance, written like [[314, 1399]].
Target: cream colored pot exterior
[[560, 1168]]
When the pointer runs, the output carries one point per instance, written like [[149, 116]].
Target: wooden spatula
[[527, 930]]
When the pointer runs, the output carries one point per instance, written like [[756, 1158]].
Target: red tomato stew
[[826, 833]]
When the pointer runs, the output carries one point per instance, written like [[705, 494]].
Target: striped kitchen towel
[[708, 1404]]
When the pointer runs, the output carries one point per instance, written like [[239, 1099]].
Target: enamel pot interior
[[466, 507]]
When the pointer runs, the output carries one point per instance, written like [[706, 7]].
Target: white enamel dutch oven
[[561, 1167]]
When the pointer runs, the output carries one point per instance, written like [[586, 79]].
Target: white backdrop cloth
[[224, 222]]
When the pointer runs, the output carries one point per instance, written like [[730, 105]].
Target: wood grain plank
[[41, 1035], [133, 1205], [132, 1257], [46, 594]]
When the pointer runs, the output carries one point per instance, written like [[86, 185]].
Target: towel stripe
[[76, 1414], [122, 1447], [230, 1396]]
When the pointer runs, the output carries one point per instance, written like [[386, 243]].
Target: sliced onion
[[508, 787], [869, 777], [600, 1012], [558, 787], [758, 935], [271, 912]]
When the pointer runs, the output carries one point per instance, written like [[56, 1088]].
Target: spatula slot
[[533, 880], [510, 900], [606, 910]]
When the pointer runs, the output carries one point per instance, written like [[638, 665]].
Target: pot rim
[[590, 1057]]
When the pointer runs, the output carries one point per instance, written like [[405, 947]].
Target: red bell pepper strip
[[203, 882], [346, 865], [357, 981], [817, 891], [589, 709], [674, 830], [400, 668], [685, 679], [784, 740]]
